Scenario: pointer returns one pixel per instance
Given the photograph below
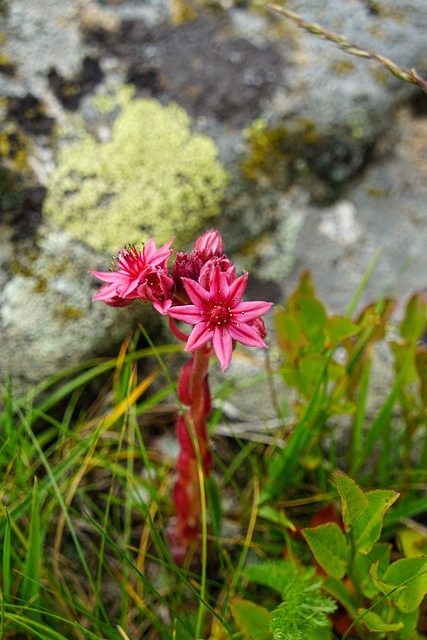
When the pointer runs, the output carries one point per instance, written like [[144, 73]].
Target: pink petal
[[162, 307], [246, 311], [107, 276], [209, 244], [197, 294], [186, 313], [246, 334], [149, 250], [157, 257], [126, 287], [218, 286], [200, 335], [106, 291], [223, 346], [237, 289]]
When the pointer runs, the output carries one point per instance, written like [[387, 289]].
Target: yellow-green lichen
[[276, 153], [154, 177]]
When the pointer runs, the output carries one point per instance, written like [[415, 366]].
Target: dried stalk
[[410, 75]]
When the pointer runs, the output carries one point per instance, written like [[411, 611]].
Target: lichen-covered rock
[[47, 319], [155, 177]]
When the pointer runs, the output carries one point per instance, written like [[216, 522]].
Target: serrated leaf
[[367, 526], [251, 619], [276, 574], [329, 546], [353, 500], [375, 623]]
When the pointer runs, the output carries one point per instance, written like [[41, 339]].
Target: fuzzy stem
[[194, 459]]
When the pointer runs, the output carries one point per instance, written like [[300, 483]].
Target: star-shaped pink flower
[[219, 316], [130, 271]]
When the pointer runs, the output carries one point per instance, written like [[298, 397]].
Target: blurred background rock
[[125, 119]]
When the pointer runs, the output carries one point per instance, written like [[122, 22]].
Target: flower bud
[[224, 265], [259, 326], [209, 245], [186, 265], [156, 287]]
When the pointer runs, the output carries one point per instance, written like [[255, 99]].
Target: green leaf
[[329, 546], [318, 633], [410, 623], [353, 500], [414, 322], [413, 543], [413, 572], [311, 368], [338, 328], [311, 316], [251, 619], [421, 365], [269, 513], [31, 582], [362, 564], [404, 582], [214, 504], [400, 352], [367, 527], [305, 286], [288, 334], [276, 574], [6, 555], [340, 591], [374, 622]]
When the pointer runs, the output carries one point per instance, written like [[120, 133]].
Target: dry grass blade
[[408, 75]]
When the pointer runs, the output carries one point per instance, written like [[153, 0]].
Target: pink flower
[[129, 273], [223, 263], [219, 316], [156, 287], [186, 265]]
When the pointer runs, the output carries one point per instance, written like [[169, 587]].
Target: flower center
[[220, 315], [129, 261]]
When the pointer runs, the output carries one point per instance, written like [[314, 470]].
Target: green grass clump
[[86, 506]]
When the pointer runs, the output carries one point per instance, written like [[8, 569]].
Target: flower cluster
[[202, 290]]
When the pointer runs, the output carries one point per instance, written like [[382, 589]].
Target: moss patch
[[154, 177]]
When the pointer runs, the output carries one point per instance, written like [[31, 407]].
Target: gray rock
[[383, 211], [319, 190], [47, 319]]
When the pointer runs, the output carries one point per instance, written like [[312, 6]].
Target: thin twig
[[408, 75]]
